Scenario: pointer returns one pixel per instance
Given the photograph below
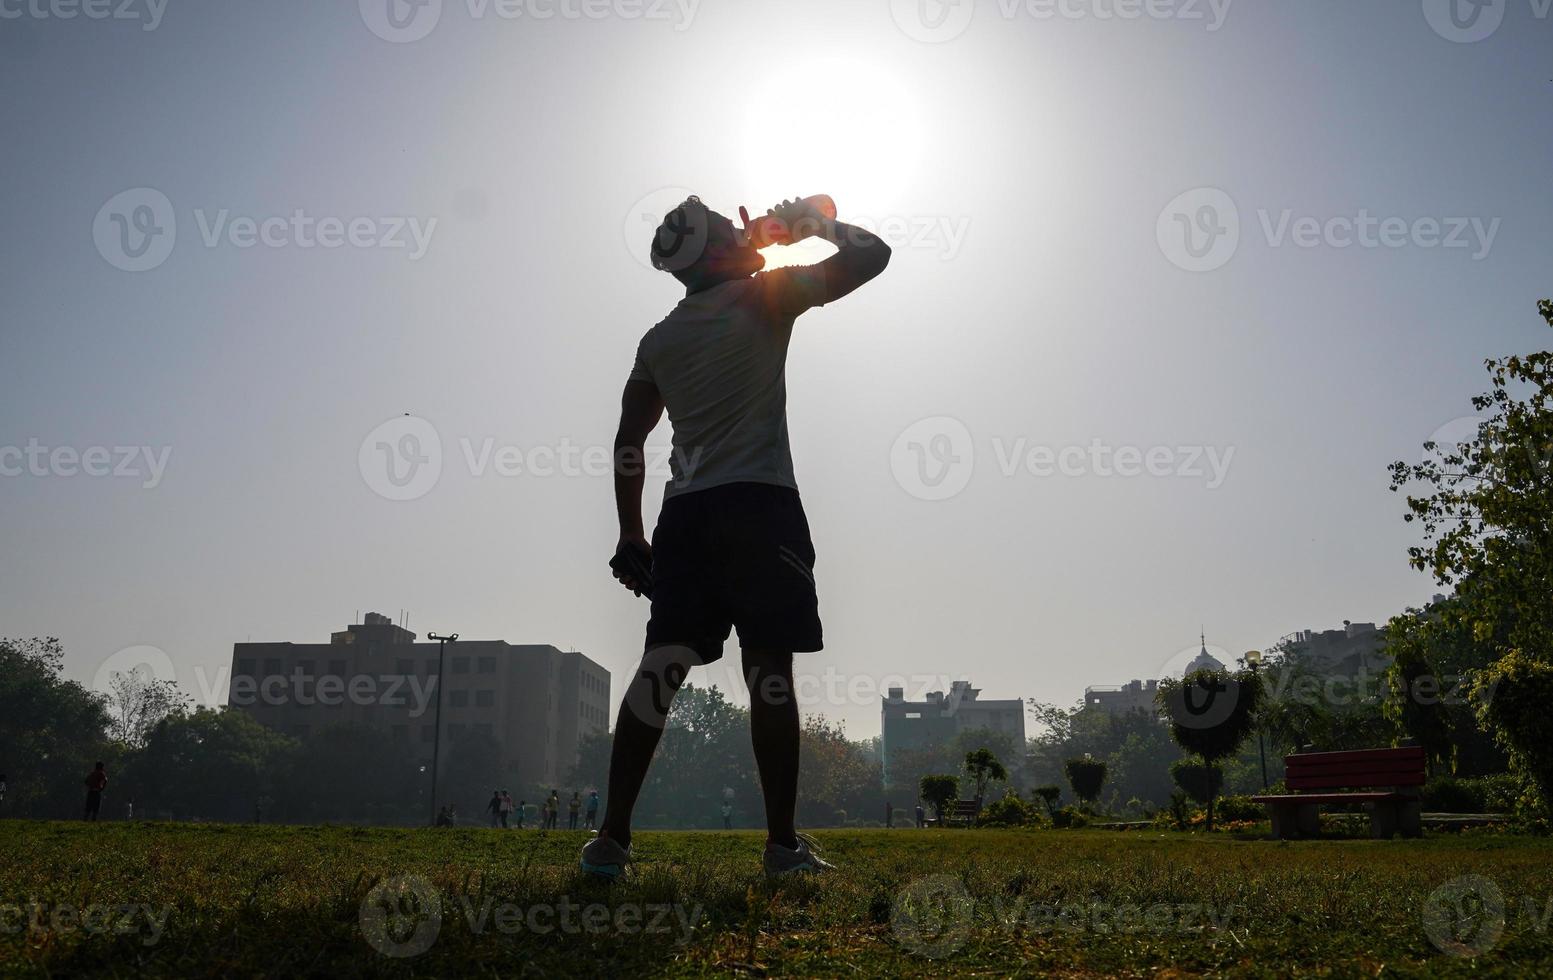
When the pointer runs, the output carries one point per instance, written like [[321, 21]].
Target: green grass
[[288, 901]]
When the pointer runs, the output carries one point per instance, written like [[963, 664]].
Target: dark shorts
[[734, 556]]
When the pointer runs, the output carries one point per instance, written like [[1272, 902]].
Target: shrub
[[1010, 811], [1199, 780], [1069, 817], [1086, 776], [1447, 794], [1049, 795], [1239, 809], [939, 790], [1513, 695]]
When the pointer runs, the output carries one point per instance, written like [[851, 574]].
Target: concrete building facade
[[907, 725], [536, 701]]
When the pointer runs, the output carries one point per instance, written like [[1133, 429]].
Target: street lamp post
[[1253, 662], [436, 735]]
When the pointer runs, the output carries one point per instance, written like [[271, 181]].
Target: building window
[[460, 699], [460, 665], [272, 666], [487, 665], [484, 728], [455, 731], [405, 667], [485, 699], [337, 668], [245, 667], [306, 667], [401, 733]]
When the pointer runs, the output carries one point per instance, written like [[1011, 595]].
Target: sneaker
[[781, 861], [603, 858]]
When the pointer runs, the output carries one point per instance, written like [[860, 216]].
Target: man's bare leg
[[774, 732], [643, 714]]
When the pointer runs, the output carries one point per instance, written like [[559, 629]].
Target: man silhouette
[[96, 782], [732, 546]]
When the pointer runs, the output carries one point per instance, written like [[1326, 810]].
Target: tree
[[1086, 776], [983, 767], [138, 701], [1485, 521], [213, 763], [839, 776], [51, 730], [1049, 795], [1434, 658], [1198, 780], [939, 790], [1212, 712]]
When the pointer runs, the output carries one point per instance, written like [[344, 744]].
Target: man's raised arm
[[860, 256]]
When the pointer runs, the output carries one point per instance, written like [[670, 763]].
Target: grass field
[[177, 900]]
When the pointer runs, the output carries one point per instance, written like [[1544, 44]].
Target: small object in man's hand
[[632, 562]]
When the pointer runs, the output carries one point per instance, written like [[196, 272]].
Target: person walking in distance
[[592, 819], [732, 546], [96, 782], [493, 807], [573, 810]]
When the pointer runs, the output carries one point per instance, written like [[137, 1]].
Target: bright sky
[[1246, 252]]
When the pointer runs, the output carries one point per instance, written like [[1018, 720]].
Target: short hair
[[680, 239]]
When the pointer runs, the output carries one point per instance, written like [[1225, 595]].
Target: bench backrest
[[966, 808], [1356, 769]]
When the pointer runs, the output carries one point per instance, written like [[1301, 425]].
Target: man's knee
[[769, 677], [669, 662]]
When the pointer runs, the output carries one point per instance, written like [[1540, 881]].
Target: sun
[[841, 127]]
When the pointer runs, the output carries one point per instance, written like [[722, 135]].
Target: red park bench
[[965, 811], [1387, 781]]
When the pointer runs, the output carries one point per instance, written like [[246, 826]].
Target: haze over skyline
[[1110, 259]]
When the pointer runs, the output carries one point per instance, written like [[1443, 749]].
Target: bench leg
[[1383, 820], [1284, 825], [1308, 820], [1410, 818]]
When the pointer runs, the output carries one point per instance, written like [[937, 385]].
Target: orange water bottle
[[772, 227]]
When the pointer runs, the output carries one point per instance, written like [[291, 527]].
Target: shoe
[[603, 858], [782, 861]]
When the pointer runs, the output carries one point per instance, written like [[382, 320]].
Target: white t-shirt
[[720, 362]]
